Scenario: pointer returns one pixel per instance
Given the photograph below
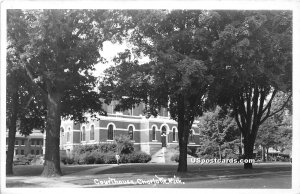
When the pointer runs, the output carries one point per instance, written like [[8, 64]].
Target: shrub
[[229, 153], [109, 158], [125, 158], [99, 158], [124, 144], [135, 157], [175, 157], [90, 158], [107, 147], [70, 160], [63, 159]]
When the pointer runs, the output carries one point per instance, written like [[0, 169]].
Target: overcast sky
[[109, 52]]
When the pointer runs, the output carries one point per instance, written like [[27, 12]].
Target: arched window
[[83, 133], [174, 134], [68, 134], [92, 132], [191, 137], [110, 132], [153, 133], [62, 130], [130, 132]]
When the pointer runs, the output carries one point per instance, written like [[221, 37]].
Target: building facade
[[147, 134], [31, 144]]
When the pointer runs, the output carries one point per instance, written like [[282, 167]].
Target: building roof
[[35, 134]]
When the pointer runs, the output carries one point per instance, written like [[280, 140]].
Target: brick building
[[147, 134], [31, 144]]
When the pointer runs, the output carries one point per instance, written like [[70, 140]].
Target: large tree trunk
[[12, 134], [52, 157], [248, 144], [183, 134]]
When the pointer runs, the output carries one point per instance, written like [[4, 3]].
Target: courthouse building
[[147, 134]]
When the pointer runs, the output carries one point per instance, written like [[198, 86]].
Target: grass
[[201, 174], [36, 170]]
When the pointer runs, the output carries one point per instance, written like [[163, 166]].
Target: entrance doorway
[[164, 137]]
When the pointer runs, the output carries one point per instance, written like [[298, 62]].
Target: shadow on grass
[[196, 172], [36, 170], [21, 184]]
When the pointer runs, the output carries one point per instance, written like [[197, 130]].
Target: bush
[[99, 158], [90, 158], [63, 159], [70, 160], [124, 144], [109, 158], [107, 147], [135, 157], [175, 157]]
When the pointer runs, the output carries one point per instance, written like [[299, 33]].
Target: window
[[32, 142], [16, 143], [153, 133], [37, 142], [174, 134], [110, 132], [17, 152], [62, 130], [32, 152], [83, 133], [37, 152], [191, 138], [22, 152], [68, 134], [130, 132], [92, 132], [23, 142]]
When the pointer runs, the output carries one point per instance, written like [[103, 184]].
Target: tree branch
[[268, 106], [268, 115], [255, 104], [236, 114], [44, 92]]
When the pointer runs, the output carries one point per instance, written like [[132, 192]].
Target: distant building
[[147, 134], [31, 144]]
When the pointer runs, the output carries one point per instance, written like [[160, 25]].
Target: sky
[[109, 51]]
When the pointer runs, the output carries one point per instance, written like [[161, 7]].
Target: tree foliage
[[253, 58], [276, 131], [25, 110], [218, 134], [177, 76], [59, 51]]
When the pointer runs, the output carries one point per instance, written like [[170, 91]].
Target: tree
[[253, 60], [177, 76], [276, 131], [24, 109], [218, 133], [60, 51]]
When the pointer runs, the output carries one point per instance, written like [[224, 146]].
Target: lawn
[[36, 170], [198, 176]]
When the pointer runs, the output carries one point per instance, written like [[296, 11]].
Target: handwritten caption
[[155, 180]]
